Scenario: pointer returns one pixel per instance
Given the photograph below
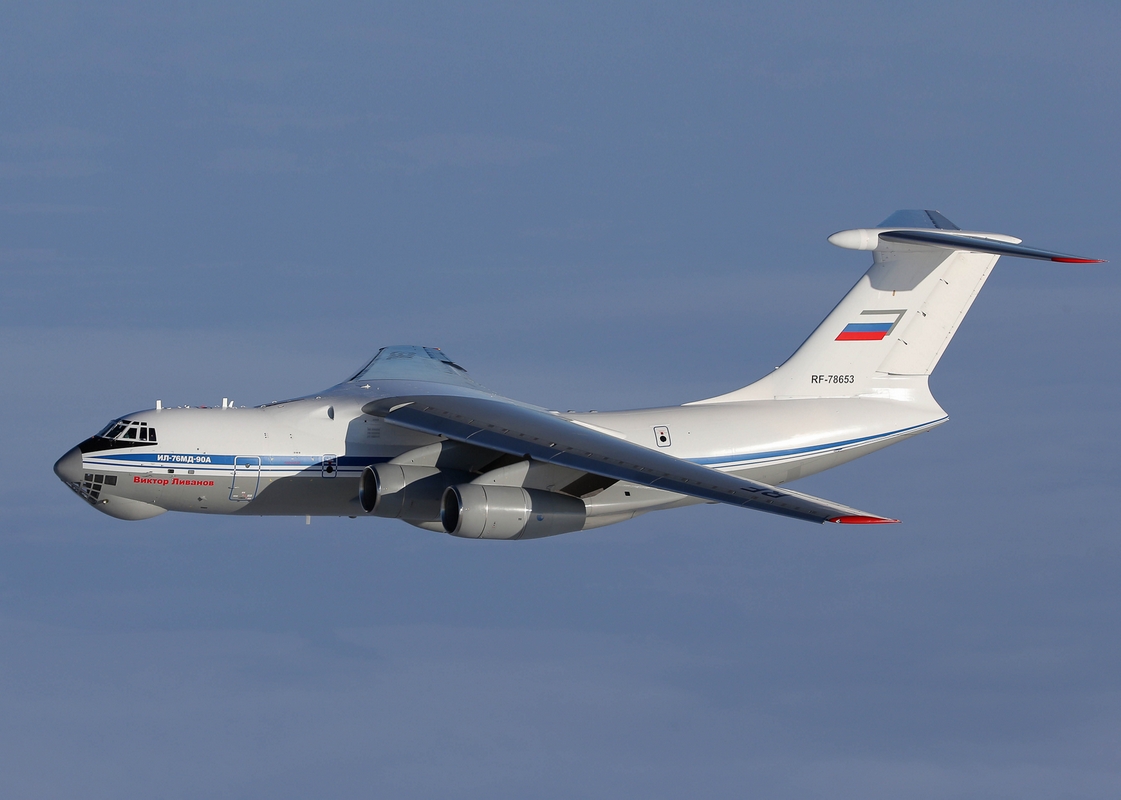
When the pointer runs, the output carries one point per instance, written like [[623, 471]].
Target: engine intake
[[476, 511], [404, 491]]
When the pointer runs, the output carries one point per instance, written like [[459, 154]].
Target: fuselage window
[[143, 434], [151, 434]]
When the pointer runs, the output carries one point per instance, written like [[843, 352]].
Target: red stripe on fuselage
[[860, 336]]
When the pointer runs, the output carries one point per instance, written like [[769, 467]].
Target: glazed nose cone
[[69, 467]]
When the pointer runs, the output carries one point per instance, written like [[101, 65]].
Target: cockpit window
[[130, 430], [113, 429]]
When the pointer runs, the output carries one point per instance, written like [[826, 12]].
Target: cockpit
[[128, 430], [121, 433]]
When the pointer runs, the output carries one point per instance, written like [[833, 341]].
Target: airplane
[[412, 436]]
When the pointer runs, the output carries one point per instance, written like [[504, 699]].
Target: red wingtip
[[856, 520], [1079, 260]]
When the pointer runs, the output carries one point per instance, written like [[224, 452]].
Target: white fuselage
[[305, 456]]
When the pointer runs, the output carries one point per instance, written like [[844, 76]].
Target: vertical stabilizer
[[888, 333]]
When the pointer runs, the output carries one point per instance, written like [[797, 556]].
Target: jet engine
[[405, 491], [476, 511]]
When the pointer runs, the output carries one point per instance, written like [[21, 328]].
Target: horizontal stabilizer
[[978, 244]]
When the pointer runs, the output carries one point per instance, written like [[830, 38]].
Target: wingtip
[[1066, 260], [862, 520]]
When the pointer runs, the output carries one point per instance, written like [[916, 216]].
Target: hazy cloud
[[270, 160], [52, 168], [272, 119], [461, 150], [55, 137], [49, 208]]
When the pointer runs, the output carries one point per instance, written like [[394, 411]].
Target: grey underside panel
[[297, 495], [508, 427]]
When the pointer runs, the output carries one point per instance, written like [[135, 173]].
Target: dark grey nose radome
[[69, 467]]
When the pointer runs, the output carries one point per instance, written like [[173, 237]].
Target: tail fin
[[888, 333]]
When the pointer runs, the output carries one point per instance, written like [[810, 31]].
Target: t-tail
[[888, 333]]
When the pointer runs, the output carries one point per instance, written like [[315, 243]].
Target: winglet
[[855, 520]]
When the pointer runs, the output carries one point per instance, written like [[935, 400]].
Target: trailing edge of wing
[[519, 430], [978, 244]]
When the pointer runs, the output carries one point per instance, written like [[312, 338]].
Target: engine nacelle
[[405, 492], [476, 511]]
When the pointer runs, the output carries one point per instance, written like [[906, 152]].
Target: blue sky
[[589, 206]]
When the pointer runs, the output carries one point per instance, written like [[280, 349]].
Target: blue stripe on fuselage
[[223, 463], [720, 461]]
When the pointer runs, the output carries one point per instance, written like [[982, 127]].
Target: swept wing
[[515, 429]]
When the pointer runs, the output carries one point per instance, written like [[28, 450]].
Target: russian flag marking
[[864, 331]]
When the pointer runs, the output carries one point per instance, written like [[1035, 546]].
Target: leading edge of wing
[[508, 427]]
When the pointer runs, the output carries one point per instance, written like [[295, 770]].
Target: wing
[[527, 432]]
